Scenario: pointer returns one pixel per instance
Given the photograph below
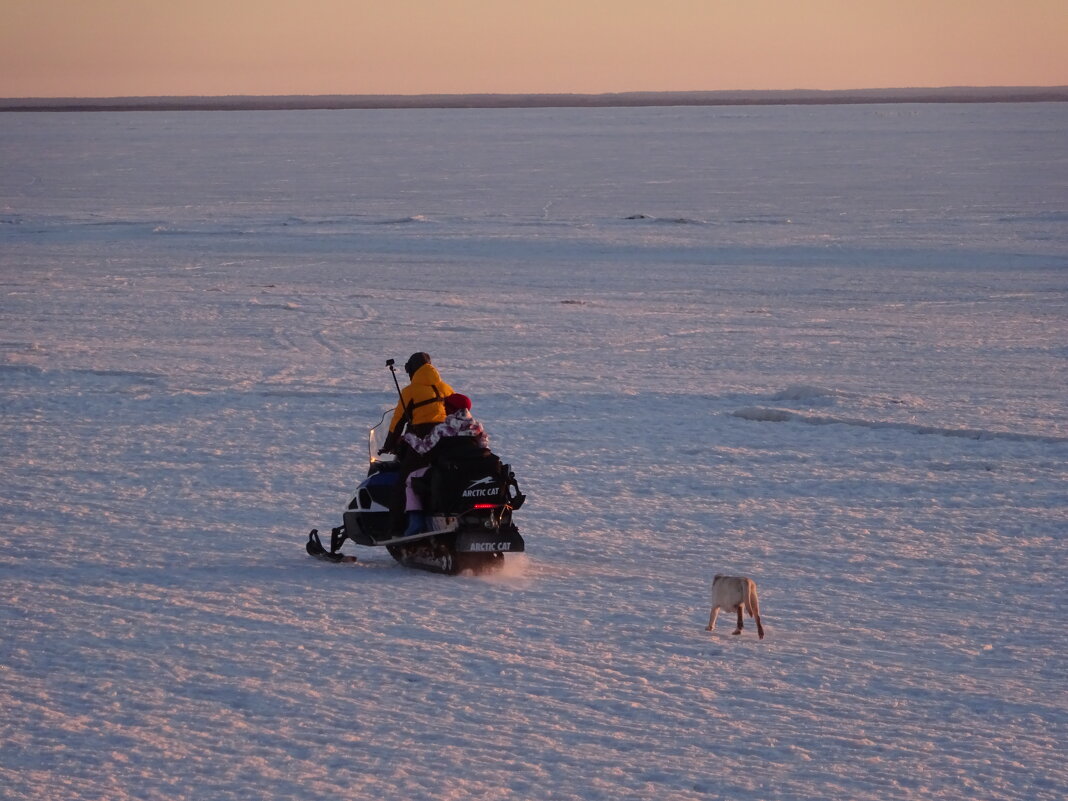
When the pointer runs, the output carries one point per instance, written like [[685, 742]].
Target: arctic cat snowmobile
[[469, 509]]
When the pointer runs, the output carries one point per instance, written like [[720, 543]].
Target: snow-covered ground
[[825, 347]]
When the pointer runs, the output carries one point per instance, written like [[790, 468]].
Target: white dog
[[732, 594]]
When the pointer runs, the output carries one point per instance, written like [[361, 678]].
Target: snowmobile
[[469, 515]]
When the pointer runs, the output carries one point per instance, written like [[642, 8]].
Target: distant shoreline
[[1001, 94]]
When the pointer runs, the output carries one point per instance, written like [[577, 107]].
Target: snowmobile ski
[[315, 548]]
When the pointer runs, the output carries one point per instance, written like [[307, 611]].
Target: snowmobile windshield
[[376, 438]]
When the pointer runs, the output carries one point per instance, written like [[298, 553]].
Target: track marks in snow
[[773, 415]]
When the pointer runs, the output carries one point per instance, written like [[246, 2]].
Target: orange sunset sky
[[109, 48]]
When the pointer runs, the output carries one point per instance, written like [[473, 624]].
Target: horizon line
[[249, 102]]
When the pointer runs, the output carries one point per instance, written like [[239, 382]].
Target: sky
[[116, 48]]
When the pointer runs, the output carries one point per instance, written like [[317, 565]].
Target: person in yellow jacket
[[422, 402], [420, 408]]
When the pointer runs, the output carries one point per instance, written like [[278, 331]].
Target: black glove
[[389, 444]]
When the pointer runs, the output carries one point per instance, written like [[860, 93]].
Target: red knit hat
[[455, 402]]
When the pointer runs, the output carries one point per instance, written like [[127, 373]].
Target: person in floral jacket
[[458, 423]]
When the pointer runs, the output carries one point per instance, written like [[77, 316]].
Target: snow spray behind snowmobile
[[469, 509]]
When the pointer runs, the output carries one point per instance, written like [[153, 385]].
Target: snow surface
[[824, 347]]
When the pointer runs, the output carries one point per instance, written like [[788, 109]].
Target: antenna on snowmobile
[[392, 369]]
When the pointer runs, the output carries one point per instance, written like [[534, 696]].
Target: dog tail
[[752, 603]]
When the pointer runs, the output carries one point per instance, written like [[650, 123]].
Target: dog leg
[[754, 610], [712, 618], [741, 625]]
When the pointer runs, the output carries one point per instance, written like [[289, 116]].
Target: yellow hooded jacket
[[426, 395]]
